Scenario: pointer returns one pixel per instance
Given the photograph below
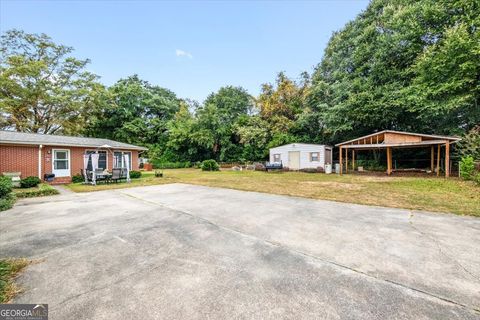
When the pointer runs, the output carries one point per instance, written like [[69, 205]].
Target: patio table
[[103, 177]]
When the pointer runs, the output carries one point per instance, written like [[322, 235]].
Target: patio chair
[[89, 176], [124, 174], [116, 174]]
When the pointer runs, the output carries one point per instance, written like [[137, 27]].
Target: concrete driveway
[[192, 252]]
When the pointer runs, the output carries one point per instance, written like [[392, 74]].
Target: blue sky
[[192, 48]]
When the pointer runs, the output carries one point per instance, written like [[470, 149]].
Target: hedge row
[[170, 165]]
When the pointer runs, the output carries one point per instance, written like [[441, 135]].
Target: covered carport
[[389, 140]]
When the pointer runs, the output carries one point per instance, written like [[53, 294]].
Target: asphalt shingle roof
[[12, 137]]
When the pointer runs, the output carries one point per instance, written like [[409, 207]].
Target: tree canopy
[[42, 88], [135, 112], [406, 65], [411, 65]]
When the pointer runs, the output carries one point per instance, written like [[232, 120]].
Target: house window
[[276, 157], [102, 160], [119, 159], [314, 156], [60, 160]]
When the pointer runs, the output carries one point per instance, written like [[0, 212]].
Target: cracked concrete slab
[[182, 251]]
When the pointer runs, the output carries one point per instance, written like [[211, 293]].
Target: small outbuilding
[[389, 140], [296, 156]]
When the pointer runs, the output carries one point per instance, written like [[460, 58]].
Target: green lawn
[[9, 269], [422, 193]]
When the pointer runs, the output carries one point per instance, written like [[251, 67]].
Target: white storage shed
[[296, 156]]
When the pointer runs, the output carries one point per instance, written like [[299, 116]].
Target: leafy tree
[[470, 144], [284, 108], [446, 88], [214, 129], [406, 65], [180, 146], [42, 88], [254, 137], [231, 102], [137, 112]]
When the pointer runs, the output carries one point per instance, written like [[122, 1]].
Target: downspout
[[40, 147]]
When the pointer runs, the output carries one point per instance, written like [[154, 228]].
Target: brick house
[[34, 154]]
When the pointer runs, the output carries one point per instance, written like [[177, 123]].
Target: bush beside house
[[29, 182], [77, 179], [135, 174], [7, 197]]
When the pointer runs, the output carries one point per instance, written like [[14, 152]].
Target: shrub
[[470, 144], [210, 165], [43, 190], [7, 201], [157, 164], [77, 179], [467, 168], [135, 174], [5, 186], [476, 178], [29, 182]]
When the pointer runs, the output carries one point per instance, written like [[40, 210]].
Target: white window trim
[[318, 156], [106, 153], [131, 159], [279, 157], [69, 161]]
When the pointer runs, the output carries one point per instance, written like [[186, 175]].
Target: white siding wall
[[305, 150]]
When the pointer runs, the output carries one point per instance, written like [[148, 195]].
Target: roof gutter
[[68, 145]]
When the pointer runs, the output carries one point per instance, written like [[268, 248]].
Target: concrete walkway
[[63, 190], [192, 252]]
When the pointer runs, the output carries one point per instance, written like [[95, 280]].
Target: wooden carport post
[[432, 159], [353, 160], [346, 160], [438, 160], [447, 159], [340, 160], [389, 160]]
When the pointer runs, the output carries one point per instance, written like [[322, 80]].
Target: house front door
[[294, 160], [61, 162]]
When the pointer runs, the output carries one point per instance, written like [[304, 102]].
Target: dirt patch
[[334, 185]]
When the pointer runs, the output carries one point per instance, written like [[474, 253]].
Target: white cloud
[[181, 53]]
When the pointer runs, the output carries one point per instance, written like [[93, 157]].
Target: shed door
[[294, 160]]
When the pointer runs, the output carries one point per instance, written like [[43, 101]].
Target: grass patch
[[147, 179], [420, 193], [9, 269], [42, 190]]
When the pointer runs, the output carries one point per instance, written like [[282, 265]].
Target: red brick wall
[[24, 159]]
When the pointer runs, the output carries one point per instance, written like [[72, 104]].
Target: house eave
[[68, 145]]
